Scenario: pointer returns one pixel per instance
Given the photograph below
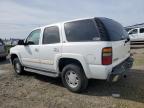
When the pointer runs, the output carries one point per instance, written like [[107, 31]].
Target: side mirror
[[21, 42]]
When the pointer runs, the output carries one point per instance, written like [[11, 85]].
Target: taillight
[[107, 56]]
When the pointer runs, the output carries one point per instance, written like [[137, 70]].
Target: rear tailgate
[[121, 51], [118, 37]]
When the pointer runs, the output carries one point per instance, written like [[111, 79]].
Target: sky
[[19, 17]]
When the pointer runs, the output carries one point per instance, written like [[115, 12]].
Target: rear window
[[82, 30], [115, 30]]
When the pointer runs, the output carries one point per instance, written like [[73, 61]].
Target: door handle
[[36, 50]]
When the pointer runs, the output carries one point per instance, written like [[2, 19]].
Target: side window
[[33, 38], [80, 31], [135, 31], [51, 35], [141, 30]]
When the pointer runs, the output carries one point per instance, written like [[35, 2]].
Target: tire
[[74, 78], [19, 69]]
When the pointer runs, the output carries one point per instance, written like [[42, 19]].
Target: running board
[[42, 72]]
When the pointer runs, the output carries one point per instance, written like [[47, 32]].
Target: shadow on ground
[[130, 88], [138, 45]]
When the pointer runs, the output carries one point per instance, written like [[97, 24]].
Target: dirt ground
[[37, 91]]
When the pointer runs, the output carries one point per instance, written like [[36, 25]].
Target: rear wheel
[[74, 78], [19, 69]]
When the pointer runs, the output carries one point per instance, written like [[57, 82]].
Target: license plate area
[[123, 67]]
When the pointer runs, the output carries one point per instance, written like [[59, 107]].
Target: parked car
[[78, 50], [136, 34], [3, 53]]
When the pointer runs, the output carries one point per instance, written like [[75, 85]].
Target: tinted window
[[34, 37], [142, 30], [135, 31], [83, 30], [51, 35], [115, 30]]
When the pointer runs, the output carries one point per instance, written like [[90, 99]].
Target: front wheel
[[19, 69], [74, 78]]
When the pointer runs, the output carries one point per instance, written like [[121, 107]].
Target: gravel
[[37, 91]]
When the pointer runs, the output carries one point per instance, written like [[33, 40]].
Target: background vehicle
[[3, 53], [136, 34], [78, 50]]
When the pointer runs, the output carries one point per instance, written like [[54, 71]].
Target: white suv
[[78, 50]]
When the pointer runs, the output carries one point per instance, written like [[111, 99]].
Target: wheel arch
[[13, 56], [63, 61]]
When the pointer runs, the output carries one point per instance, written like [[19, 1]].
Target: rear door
[[50, 48], [118, 37]]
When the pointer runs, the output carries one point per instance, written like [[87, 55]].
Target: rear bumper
[[120, 70]]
